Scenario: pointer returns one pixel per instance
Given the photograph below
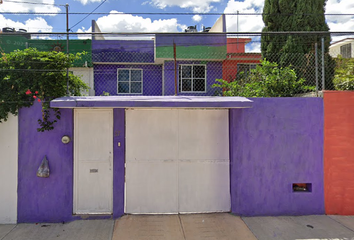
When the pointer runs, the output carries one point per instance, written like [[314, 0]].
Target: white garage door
[[177, 161]]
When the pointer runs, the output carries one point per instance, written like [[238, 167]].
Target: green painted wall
[[9, 43], [192, 52], [75, 46], [12, 43]]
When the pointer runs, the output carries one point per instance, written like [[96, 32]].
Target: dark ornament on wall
[[43, 170], [58, 47]]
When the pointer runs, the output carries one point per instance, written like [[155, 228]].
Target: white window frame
[[180, 79], [130, 81]]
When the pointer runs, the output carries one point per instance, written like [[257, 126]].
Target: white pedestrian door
[[93, 166], [177, 161]]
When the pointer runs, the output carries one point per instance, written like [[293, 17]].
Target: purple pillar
[[118, 161]]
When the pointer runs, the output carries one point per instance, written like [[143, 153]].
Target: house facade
[[160, 154], [344, 47], [164, 64]]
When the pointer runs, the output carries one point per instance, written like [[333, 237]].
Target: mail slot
[[93, 170]]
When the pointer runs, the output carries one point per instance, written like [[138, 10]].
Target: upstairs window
[[192, 78], [130, 81], [245, 67], [346, 50]]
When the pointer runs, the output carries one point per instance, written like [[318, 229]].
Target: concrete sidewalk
[[80, 230], [302, 227], [222, 226], [216, 226]]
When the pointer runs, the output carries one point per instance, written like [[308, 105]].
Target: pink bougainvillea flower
[[36, 92], [38, 100], [34, 97], [28, 92]]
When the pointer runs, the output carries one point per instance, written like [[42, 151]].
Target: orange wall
[[229, 66], [237, 45], [339, 152]]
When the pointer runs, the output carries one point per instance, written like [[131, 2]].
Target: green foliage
[[266, 80], [105, 93], [297, 50], [344, 74], [30, 75]]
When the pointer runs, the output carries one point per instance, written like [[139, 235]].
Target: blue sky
[[151, 23]]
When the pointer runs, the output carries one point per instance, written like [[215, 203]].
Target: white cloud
[[37, 24], [254, 46], [202, 6], [42, 6], [254, 23], [84, 2], [244, 23], [116, 23], [84, 36], [129, 23], [197, 18], [338, 23]]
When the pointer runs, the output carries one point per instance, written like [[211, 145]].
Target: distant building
[[344, 47]]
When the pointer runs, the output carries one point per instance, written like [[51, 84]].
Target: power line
[[89, 13], [184, 13], [51, 4]]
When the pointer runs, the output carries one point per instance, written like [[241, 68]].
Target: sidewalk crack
[[9, 232], [180, 222], [340, 223]]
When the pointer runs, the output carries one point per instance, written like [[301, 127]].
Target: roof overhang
[[151, 102]]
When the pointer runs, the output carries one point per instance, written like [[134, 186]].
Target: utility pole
[[67, 47], [323, 65]]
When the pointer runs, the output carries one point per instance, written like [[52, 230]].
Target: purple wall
[[118, 161], [106, 79], [44, 199], [51, 199], [276, 143], [214, 71], [272, 145], [123, 51]]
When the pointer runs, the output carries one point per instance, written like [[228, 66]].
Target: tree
[[30, 75], [267, 80], [344, 74], [296, 50]]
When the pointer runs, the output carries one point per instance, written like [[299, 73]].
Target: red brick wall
[[339, 152]]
